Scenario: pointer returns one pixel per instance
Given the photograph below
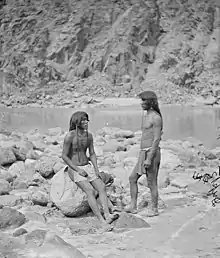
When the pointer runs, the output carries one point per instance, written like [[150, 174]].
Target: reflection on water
[[179, 122]]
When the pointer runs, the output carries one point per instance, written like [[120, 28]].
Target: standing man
[[149, 156]]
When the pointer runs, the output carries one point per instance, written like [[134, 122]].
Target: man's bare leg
[[152, 174], [100, 187], [111, 207], [133, 179], [88, 189]]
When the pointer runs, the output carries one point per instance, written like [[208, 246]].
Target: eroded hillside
[[110, 48]]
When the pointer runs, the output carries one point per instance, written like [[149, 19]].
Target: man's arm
[[66, 148], [157, 129], [92, 155]]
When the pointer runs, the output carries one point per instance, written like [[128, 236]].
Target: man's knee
[[152, 181], [90, 191], [102, 188], [133, 178]]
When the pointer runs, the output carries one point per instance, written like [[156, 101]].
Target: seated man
[[83, 170]]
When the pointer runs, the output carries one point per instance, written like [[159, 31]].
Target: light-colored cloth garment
[[75, 176], [139, 167], [140, 163]]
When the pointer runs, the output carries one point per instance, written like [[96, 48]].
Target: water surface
[[179, 122]]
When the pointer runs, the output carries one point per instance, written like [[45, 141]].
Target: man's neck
[[81, 131]]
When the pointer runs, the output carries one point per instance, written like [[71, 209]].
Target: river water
[[179, 122]]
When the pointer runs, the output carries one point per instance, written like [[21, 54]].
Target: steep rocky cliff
[[110, 47]]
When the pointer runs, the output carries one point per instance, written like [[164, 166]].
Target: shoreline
[[106, 103]]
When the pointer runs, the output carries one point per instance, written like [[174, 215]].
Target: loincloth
[[76, 177], [139, 168]]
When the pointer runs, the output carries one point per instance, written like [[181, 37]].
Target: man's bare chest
[[147, 122], [80, 142]]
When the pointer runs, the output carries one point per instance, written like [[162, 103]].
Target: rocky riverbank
[[32, 225]]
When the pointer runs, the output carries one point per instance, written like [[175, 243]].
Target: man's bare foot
[[115, 209], [130, 209], [111, 218], [105, 227], [152, 213]]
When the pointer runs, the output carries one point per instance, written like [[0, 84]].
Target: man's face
[[145, 104], [84, 124]]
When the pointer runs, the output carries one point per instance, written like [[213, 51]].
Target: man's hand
[[82, 173], [147, 163], [98, 174]]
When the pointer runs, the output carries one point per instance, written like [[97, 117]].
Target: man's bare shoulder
[[156, 118], [69, 136]]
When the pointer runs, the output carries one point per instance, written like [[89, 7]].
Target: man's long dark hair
[[151, 98], [76, 119], [74, 124]]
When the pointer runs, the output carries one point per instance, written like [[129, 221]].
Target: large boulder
[[65, 194], [7, 156], [11, 218]]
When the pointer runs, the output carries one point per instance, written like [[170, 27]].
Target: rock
[[4, 174], [144, 200], [36, 237], [133, 151], [32, 154], [58, 166], [17, 169], [18, 184], [199, 188], [169, 160], [40, 198], [7, 156], [10, 200], [55, 131], [181, 181], [19, 232], [112, 146], [98, 151], [30, 164], [115, 132], [122, 173], [39, 145], [34, 216], [10, 218], [65, 194], [4, 187], [49, 245], [130, 162], [210, 155], [109, 160], [163, 178], [45, 166], [22, 148], [127, 220], [37, 178]]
